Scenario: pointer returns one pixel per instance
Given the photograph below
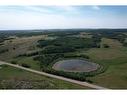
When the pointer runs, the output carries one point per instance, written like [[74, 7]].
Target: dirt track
[[55, 76]]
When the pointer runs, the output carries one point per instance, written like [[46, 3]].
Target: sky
[[62, 17]]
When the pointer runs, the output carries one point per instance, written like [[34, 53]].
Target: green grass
[[113, 52], [7, 74], [105, 53], [114, 77], [28, 60], [19, 46], [115, 58]]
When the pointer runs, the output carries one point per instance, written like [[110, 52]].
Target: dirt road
[[55, 76]]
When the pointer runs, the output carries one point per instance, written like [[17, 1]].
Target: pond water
[[75, 65]]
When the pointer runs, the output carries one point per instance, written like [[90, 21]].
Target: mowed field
[[13, 78], [115, 57]]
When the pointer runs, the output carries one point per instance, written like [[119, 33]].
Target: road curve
[[55, 76]]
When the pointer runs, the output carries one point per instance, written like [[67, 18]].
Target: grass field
[[116, 58], [13, 78], [19, 46], [28, 60]]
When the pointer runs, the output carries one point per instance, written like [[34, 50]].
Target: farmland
[[41, 50]]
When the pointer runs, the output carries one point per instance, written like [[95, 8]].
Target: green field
[[27, 60], [115, 58], [13, 78], [106, 48], [19, 45]]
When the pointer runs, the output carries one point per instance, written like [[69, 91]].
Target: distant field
[[114, 44], [113, 52], [13, 78], [18, 46]]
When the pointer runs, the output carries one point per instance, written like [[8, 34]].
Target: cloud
[[67, 8], [38, 9], [50, 9], [70, 10], [96, 7], [46, 17]]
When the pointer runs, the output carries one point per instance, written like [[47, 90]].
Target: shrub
[[76, 56], [25, 65], [3, 51], [13, 62], [106, 46], [57, 49], [1, 44]]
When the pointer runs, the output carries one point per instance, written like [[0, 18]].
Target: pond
[[75, 65]]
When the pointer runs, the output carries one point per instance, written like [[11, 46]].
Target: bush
[[14, 48], [76, 56], [25, 65], [57, 49], [106, 46], [13, 62], [3, 51], [1, 44], [32, 54], [125, 44], [28, 54]]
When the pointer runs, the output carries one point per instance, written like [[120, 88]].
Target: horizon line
[[55, 29]]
